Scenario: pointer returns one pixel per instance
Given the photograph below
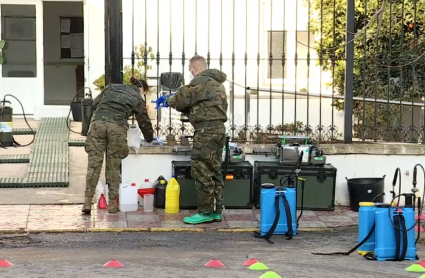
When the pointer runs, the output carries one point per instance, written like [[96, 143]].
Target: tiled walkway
[[69, 217]]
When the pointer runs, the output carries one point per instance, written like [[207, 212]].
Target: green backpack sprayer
[[288, 153], [386, 230], [6, 124]]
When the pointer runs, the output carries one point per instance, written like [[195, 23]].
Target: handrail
[[237, 84], [339, 97]]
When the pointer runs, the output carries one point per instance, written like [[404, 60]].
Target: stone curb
[[152, 230]]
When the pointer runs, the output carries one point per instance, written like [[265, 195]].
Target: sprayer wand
[[414, 191], [396, 173], [295, 171], [420, 200]]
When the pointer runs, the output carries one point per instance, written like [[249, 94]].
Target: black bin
[[76, 111], [365, 190]]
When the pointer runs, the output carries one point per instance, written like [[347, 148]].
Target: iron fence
[[334, 70]]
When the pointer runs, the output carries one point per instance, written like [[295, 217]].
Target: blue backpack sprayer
[[376, 221], [279, 206]]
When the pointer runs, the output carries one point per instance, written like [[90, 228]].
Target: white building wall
[[28, 90], [94, 27], [60, 79], [218, 37], [94, 52]]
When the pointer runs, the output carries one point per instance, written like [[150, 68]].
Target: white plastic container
[[387, 198], [133, 138], [128, 197], [100, 189], [145, 184], [148, 202]]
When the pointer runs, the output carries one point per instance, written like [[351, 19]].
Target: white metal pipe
[[340, 97]]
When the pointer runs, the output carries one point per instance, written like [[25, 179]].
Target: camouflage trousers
[[112, 138], [206, 159]]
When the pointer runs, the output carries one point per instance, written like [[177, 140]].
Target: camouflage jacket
[[117, 103], [204, 99]]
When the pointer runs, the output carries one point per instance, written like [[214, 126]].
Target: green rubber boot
[[216, 216], [198, 219]]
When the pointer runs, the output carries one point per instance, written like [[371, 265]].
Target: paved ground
[[148, 254], [30, 212], [74, 194], [67, 217], [184, 255]]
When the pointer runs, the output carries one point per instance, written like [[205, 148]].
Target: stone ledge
[[328, 149], [374, 149]]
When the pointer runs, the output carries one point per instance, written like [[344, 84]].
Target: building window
[[284, 42], [18, 30]]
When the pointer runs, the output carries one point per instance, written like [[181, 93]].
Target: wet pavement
[[69, 217], [185, 254]]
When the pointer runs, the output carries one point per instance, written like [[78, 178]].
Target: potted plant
[[139, 68]]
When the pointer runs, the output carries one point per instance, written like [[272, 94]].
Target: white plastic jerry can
[[128, 197]]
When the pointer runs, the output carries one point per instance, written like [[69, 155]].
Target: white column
[[86, 15], [39, 96]]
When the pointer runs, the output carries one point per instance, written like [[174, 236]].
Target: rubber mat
[[76, 142], [49, 159], [14, 158], [24, 131]]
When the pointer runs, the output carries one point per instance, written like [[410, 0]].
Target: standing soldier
[[108, 132], [204, 100]]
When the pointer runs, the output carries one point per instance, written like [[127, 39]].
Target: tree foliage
[[386, 52], [140, 72]]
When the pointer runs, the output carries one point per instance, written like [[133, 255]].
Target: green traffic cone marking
[[270, 274], [415, 268], [258, 266]]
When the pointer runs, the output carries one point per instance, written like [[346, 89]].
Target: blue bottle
[[268, 211], [366, 220], [385, 246]]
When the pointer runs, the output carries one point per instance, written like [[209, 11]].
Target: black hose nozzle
[[300, 159], [415, 174], [395, 176]]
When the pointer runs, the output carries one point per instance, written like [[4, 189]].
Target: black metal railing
[[335, 70]]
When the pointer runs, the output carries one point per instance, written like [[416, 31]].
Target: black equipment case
[[319, 191], [237, 191]]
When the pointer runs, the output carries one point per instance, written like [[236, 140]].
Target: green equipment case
[[319, 190], [237, 191]]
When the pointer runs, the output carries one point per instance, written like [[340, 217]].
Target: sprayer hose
[[420, 208], [25, 118], [70, 109]]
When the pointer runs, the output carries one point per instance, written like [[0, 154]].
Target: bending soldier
[[108, 132]]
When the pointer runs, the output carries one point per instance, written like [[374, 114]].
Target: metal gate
[[335, 70]]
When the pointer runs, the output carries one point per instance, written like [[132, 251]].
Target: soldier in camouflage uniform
[[108, 131], [204, 100]]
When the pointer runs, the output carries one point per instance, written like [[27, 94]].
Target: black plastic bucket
[[76, 111], [365, 190]]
